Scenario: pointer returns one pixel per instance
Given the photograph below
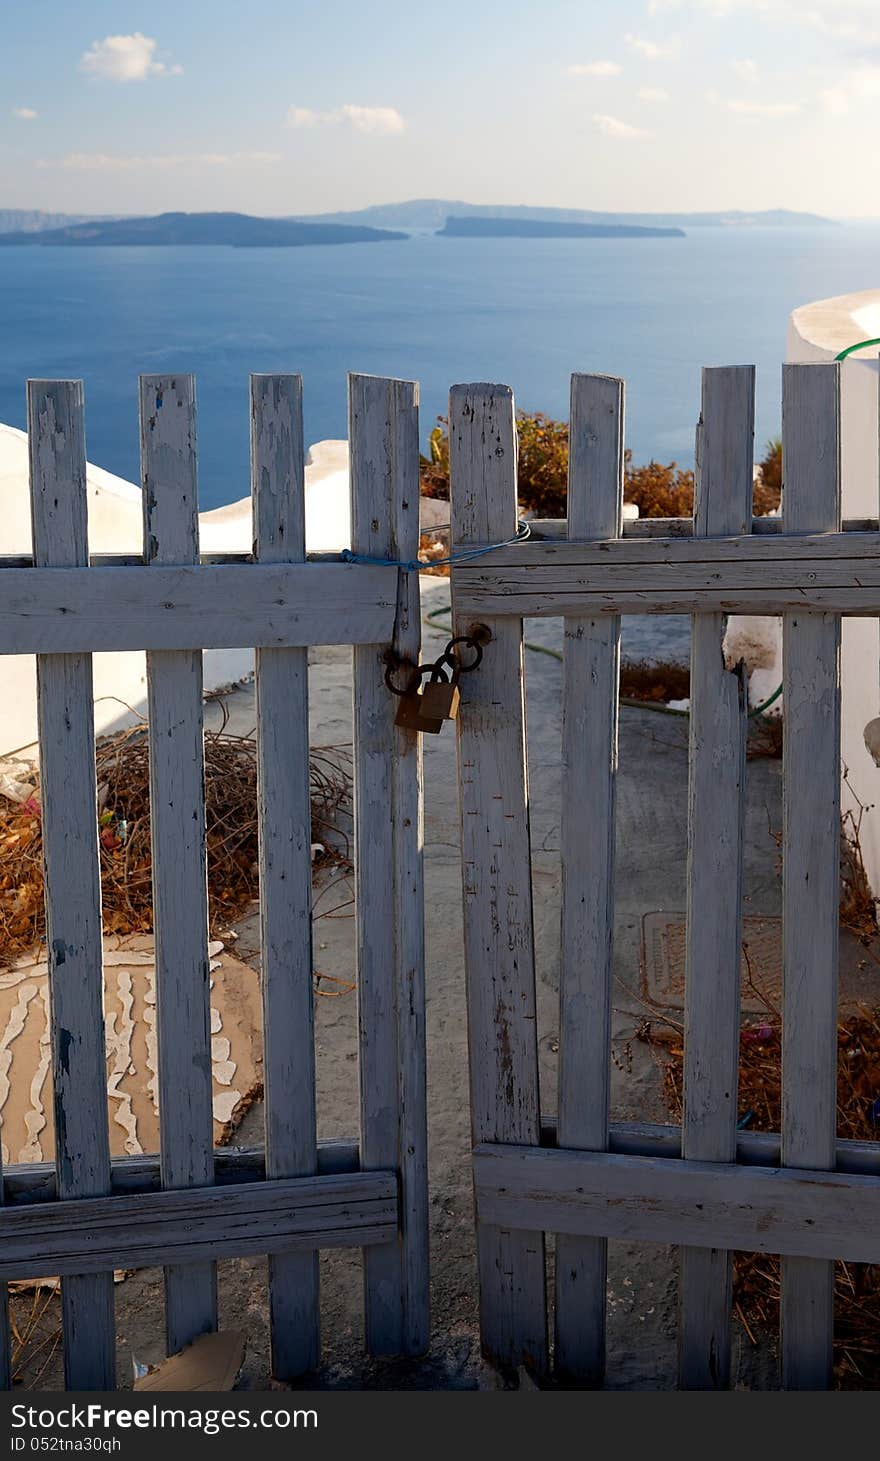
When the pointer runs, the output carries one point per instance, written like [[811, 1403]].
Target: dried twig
[[122, 763], [757, 1276]]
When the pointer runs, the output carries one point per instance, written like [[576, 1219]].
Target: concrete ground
[[651, 849]]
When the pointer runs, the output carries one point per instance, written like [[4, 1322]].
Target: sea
[[525, 312]]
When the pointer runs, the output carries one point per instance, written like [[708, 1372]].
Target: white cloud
[[125, 58], [836, 101], [652, 93], [25, 114], [377, 121], [594, 68], [304, 117], [381, 120], [847, 20], [746, 71], [120, 162], [861, 84], [745, 107], [652, 50], [614, 127]]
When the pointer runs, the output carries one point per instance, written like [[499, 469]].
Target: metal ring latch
[[449, 660]]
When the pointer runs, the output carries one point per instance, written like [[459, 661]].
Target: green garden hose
[[851, 349], [627, 700]]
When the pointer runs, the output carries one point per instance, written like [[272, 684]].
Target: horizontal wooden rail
[[91, 1235], [198, 606], [703, 1204], [234, 1166], [831, 572], [683, 527], [29, 1182], [229, 559], [753, 1148], [540, 529]]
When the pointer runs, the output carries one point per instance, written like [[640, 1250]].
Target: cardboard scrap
[[211, 1362]]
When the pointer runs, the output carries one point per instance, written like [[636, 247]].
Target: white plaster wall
[[115, 526], [819, 332]]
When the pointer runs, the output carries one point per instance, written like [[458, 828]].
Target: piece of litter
[[212, 1362]]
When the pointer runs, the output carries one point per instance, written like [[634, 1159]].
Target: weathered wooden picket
[[88, 1215], [706, 1187]]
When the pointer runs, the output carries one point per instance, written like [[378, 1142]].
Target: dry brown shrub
[[658, 489], [756, 1289], [124, 835], [654, 681], [768, 487]]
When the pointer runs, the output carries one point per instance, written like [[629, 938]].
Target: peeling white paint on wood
[[810, 860], [192, 1227], [56, 440], [14, 1027], [129, 1021], [177, 805], [589, 757], [653, 1200], [236, 1165], [716, 807], [284, 808], [383, 435], [498, 928], [207, 606], [836, 573], [35, 1118]]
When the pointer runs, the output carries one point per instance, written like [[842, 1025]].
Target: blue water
[[524, 311]]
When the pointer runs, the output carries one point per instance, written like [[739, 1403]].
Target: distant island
[[432, 213], [381, 221], [477, 226], [239, 230]]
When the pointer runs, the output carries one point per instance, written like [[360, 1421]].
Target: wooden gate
[[191, 1206], [706, 1186]]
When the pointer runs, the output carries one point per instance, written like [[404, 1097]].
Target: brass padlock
[[440, 697], [409, 715]]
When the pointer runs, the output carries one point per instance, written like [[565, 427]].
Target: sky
[[289, 107]]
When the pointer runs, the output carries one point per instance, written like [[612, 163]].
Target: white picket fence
[[90, 1215], [707, 1188]]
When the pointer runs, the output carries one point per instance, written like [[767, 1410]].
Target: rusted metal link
[[445, 668]]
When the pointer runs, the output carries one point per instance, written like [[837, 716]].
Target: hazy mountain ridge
[[238, 230], [478, 226], [433, 213], [34, 220], [419, 213]]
